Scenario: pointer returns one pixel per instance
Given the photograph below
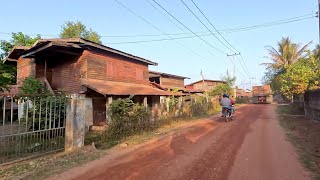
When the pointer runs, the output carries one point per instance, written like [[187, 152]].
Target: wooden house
[[167, 81], [204, 85], [79, 66], [243, 93]]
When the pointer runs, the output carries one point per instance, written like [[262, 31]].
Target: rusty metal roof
[[206, 80], [158, 74], [123, 88], [15, 53], [42, 43]]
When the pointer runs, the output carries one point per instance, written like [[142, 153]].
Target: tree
[[221, 89], [17, 39], [79, 30], [231, 81], [7, 71], [287, 54], [272, 77], [298, 78]]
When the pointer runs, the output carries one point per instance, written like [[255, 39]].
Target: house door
[[99, 112]]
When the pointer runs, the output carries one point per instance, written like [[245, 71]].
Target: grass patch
[[49, 165], [304, 135], [290, 110]]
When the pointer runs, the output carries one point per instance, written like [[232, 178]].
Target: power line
[[188, 28], [242, 64], [245, 65], [229, 30], [205, 25], [234, 65], [157, 28], [183, 37], [213, 26], [269, 24], [163, 14]]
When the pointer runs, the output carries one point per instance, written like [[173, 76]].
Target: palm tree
[[287, 54]]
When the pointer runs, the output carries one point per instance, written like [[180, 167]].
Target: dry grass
[[55, 164], [305, 136], [49, 165]]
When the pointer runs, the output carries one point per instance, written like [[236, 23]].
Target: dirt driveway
[[251, 147]]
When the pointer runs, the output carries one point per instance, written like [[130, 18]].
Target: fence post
[[75, 122], [109, 101], [88, 112]]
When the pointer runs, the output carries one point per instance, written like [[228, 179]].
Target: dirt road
[[252, 147]]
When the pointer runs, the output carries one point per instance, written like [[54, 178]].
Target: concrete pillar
[[88, 112], [109, 101], [75, 122], [167, 104], [145, 102]]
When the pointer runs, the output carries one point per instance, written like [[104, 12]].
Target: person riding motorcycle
[[226, 102]]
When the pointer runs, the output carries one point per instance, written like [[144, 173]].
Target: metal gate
[[31, 126]]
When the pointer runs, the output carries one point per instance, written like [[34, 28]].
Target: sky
[[186, 57]]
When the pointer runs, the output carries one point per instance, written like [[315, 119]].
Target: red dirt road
[[251, 147]]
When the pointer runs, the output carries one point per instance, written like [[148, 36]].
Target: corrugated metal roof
[[15, 53], [206, 80], [86, 43], [122, 88], [152, 73]]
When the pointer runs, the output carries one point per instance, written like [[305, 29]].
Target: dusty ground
[[253, 146], [304, 134]]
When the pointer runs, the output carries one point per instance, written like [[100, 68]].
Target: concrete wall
[[312, 104]]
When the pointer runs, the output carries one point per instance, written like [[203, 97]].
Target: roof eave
[[103, 47], [170, 75]]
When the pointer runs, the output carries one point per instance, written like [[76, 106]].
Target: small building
[[262, 94], [169, 82], [79, 66], [204, 85], [243, 93]]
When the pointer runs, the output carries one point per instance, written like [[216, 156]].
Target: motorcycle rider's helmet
[[226, 95]]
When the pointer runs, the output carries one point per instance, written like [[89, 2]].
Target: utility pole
[[234, 74], [204, 86]]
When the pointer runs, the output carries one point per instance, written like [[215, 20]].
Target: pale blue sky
[[108, 18]]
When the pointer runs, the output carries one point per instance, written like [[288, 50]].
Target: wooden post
[[45, 69], [180, 105], [167, 104]]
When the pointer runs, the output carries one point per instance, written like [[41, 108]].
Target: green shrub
[[32, 86], [42, 109], [242, 100], [128, 118]]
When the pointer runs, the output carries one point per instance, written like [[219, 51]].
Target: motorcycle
[[227, 114]]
